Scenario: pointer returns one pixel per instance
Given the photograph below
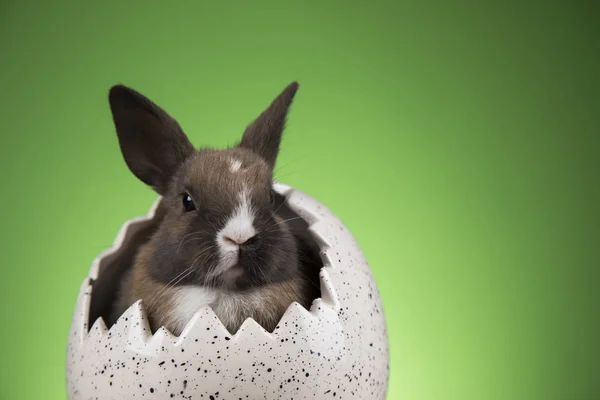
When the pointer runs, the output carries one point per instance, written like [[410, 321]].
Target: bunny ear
[[263, 136], [153, 144]]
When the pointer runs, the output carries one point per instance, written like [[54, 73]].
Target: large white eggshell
[[336, 350]]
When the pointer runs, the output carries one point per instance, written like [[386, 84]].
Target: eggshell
[[336, 350]]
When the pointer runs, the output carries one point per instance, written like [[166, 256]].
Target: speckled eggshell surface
[[336, 350]]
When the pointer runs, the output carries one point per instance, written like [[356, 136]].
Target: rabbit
[[223, 239]]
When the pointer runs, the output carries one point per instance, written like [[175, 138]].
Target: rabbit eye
[[188, 203]]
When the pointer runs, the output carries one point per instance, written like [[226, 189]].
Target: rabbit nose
[[244, 242], [250, 244]]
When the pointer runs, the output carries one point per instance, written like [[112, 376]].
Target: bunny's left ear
[[263, 136]]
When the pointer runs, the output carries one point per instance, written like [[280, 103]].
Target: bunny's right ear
[[153, 144]]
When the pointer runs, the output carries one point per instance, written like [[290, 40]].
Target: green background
[[459, 141]]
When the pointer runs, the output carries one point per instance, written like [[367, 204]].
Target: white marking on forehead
[[239, 228], [235, 165]]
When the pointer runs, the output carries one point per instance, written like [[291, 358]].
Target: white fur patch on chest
[[187, 300], [231, 308]]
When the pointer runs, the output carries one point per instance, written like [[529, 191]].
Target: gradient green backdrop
[[458, 141]]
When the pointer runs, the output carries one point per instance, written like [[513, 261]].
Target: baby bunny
[[224, 238]]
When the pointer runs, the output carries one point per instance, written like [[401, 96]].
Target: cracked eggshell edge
[[323, 318]]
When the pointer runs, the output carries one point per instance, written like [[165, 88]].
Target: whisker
[[300, 271], [193, 239], [270, 228], [163, 305], [191, 267], [280, 167], [177, 278], [267, 280], [161, 291], [212, 226], [281, 205], [183, 238], [211, 278]]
